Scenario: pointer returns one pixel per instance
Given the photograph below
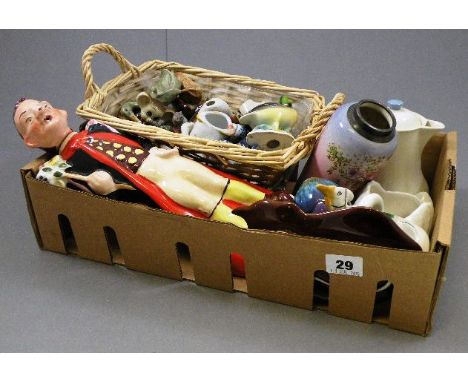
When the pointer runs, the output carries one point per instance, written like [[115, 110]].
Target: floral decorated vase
[[355, 145]]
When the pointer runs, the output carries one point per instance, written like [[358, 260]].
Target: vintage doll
[[108, 158]]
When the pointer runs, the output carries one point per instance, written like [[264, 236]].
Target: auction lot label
[[344, 265]]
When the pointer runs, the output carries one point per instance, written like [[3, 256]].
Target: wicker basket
[[262, 167]]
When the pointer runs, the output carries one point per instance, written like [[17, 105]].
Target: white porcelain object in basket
[[216, 104], [412, 213], [213, 125], [247, 106], [403, 171], [271, 125]]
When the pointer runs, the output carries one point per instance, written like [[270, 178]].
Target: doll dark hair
[[17, 105]]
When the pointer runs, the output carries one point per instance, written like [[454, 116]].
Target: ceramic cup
[[213, 125]]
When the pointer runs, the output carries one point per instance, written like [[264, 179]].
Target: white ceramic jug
[[209, 124], [403, 171]]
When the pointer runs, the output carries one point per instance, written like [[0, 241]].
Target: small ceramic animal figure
[[318, 195], [189, 98], [143, 110], [169, 103], [53, 171], [149, 110]]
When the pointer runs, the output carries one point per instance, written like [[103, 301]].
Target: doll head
[[39, 124]]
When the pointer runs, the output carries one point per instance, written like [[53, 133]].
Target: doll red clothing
[[99, 147]]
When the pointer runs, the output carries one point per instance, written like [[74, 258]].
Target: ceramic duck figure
[[318, 195], [414, 131]]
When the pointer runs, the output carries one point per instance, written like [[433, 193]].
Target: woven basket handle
[[320, 119], [325, 114], [90, 86]]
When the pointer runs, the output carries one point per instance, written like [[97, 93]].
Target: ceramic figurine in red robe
[[110, 161]]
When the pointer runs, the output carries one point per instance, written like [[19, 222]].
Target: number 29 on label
[[344, 265]]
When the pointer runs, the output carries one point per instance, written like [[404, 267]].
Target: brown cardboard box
[[280, 267]]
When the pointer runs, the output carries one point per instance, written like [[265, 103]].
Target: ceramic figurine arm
[[100, 182]]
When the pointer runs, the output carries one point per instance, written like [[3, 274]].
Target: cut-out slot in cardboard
[[113, 245], [383, 301], [321, 289], [185, 261], [69, 241], [239, 276]]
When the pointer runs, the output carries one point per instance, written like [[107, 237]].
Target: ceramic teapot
[[413, 131]]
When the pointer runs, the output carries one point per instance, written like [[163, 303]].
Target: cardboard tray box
[[280, 267]]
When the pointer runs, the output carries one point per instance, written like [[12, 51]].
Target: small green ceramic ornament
[[284, 100], [167, 87]]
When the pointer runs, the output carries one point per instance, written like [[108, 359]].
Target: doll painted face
[[40, 124]]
